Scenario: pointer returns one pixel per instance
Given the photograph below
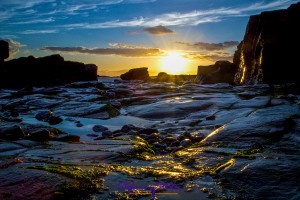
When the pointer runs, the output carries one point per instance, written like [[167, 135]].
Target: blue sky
[[121, 34]]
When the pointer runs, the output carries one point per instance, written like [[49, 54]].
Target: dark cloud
[[121, 50], [158, 30], [210, 56], [211, 46]]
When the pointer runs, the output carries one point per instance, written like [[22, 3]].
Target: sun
[[173, 63]]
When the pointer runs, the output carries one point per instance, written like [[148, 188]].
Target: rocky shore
[[84, 139], [66, 134]]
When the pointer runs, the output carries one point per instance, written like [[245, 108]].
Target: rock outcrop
[[4, 50], [269, 51], [136, 74], [164, 77], [220, 72], [46, 71]]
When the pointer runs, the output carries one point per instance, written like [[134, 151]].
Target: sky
[[174, 36]]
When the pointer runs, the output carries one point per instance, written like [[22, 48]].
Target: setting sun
[[173, 63]]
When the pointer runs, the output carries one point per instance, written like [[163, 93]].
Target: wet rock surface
[[203, 140]]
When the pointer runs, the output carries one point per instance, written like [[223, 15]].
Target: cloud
[[212, 56], [140, 1], [210, 46], [210, 51], [9, 9], [192, 18], [21, 4], [34, 21], [27, 32], [158, 30], [133, 32], [116, 49], [14, 47]]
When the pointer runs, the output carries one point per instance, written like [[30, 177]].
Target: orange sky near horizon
[[117, 65]]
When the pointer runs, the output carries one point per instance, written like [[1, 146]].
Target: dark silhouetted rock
[[186, 143], [46, 71], [220, 72], [53, 120], [69, 138], [44, 115], [268, 52], [42, 135], [47, 116], [4, 50], [99, 128], [11, 132], [164, 77], [136, 74]]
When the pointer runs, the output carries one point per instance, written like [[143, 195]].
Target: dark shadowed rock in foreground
[[136, 74], [4, 50], [269, 51], [220, 72], [46, 71]]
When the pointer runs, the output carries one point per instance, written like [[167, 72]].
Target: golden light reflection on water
[[213, 133], [245, 167]]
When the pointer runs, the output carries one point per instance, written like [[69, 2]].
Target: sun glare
[[173, 63]]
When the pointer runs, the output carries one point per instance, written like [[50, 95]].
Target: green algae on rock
[[85, 181]]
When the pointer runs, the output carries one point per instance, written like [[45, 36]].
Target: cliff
[[46, 71], [270, 48]]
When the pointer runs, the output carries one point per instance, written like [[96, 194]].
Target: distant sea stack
[[45, 71], [269, 52], [4, 50], [136, 74], [220, 72]]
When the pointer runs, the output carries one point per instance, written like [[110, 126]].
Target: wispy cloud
[[116, 49], [210, 46], [158, 30], [11, 8], [34, 21], [139, 1], [27, 32], [192, 18], [21, 4], [133, 32]]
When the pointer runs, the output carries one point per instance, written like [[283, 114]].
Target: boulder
[[69, 138], [13, 132], [4, 50], [163, 77], [42, 135], [220, 72], [99, 128], [136, 74], [268, 52], [46, 71]]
